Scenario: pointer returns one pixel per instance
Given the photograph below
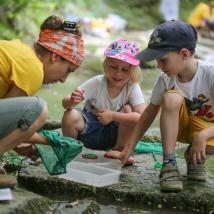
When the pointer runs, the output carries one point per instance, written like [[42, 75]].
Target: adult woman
[[58, 52]]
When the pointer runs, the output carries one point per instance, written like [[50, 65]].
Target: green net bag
[[59, 152]]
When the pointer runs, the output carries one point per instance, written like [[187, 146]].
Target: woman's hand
[[28, 150]]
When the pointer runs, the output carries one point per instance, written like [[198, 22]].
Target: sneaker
[[170, 180], [195, 172], [7, 181]]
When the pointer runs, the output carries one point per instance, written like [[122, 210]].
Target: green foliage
[[22, 17], [141, 14], [11, 161]]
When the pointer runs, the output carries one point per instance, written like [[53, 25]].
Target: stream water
[[92, 206]]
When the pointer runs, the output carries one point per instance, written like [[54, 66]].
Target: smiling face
[[117, 72], [56, 69]]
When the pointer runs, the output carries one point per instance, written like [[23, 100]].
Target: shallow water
[[91, 206]]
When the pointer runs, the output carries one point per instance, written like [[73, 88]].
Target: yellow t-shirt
[[19, 65], [201, 12]]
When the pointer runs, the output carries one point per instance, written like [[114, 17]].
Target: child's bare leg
[[72, 123], [124, 130], [18, 135], [169, 123]]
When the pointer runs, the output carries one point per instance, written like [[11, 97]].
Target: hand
[[77, 96], [27, 150], [104, 116], [197, 151], [123, 156]]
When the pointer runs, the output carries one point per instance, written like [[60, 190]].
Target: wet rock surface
[[139, 184], [24, 202]]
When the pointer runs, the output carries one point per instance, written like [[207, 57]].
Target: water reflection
[[91, 206]]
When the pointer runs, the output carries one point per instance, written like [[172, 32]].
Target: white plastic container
[[91, 174]]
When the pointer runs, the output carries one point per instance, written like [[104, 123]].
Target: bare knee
[[72, 119], [126, 109], [171, 101]]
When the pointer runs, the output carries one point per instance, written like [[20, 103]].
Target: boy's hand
[[77, 96], [198, 149], [105, 116]]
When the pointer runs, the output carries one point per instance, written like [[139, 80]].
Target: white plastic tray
[[91, 174], [100, 161]]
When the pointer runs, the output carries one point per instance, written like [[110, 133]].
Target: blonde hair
[[136, 73]]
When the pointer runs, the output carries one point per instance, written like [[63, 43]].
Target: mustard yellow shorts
[[190, 125]]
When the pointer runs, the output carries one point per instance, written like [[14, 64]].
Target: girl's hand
[[197, 151], [122, 156], [105, 116], [77, 96], [72, 100]]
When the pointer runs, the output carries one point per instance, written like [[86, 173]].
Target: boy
[[185, 93]]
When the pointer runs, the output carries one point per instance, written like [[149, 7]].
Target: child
[[113, 101], [23, 69], [184, 91]]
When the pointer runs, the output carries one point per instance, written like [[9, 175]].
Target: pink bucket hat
[[123, 50]]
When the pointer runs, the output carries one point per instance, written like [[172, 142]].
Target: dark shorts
[[97, 136], [19, 112]]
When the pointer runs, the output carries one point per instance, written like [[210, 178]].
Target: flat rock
[[24, 202], [138, 184]]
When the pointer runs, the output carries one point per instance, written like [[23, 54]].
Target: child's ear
[[185, 53], [54, 57]]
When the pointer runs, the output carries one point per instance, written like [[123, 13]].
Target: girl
[[113, 101]]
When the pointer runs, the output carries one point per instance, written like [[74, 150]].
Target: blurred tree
[[8, 11], [22, 17]]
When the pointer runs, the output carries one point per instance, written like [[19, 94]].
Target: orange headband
[[64, 44]]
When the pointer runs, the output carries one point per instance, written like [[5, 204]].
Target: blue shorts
[[96, 135]]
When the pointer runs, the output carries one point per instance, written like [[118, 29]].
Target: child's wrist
[[112, 115]]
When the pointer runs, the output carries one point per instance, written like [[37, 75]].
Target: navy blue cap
[[169, 36]]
